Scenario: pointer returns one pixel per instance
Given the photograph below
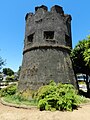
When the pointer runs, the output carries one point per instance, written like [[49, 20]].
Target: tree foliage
[[80, 56], [87, 52], [8, 71]]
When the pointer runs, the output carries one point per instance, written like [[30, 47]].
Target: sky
[[12, 25]]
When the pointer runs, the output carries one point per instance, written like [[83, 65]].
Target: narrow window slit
[[30, 38]]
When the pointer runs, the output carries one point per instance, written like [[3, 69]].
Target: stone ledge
[[47, 47], [17, 106]]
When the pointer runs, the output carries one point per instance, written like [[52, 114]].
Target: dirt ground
[[11, 113]]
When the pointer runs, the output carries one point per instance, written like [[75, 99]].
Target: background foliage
[[80, 56], [8, 71]]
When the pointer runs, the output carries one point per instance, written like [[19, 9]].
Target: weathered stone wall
[[46, 48]]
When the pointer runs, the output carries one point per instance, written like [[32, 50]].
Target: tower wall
[[46, 48]]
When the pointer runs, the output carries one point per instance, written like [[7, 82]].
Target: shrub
[[10, 78], [9, 90], [57, 97]]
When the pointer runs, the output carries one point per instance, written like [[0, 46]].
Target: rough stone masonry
[[46, 48]]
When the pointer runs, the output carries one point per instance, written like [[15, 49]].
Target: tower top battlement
[[55, 8], [41, 7]]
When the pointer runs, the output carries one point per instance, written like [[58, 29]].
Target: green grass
[[84, 100], [14, 99]]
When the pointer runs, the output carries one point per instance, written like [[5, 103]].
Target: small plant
[[10, 78], [9, 90], [57, 97]]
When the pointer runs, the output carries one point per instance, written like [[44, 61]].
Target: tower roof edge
[[57, 9], [42, 6]]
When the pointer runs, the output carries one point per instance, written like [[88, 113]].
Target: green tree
[[78, 59], [87, 52], [80, 56], [8, 71]]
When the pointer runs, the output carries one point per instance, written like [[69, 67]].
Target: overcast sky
[[12, 24]]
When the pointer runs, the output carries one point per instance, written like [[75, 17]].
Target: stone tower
[[46, 48]]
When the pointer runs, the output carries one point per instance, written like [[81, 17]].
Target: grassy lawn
[[14, 99]]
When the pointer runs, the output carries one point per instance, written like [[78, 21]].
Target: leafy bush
[[10, 78], [57, 97], [10, 90]]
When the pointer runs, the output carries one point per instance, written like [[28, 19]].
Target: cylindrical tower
[[46, 48]]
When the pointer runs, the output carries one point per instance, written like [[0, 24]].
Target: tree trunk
[[88, 86]]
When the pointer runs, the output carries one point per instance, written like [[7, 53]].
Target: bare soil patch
[[11, 113]]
